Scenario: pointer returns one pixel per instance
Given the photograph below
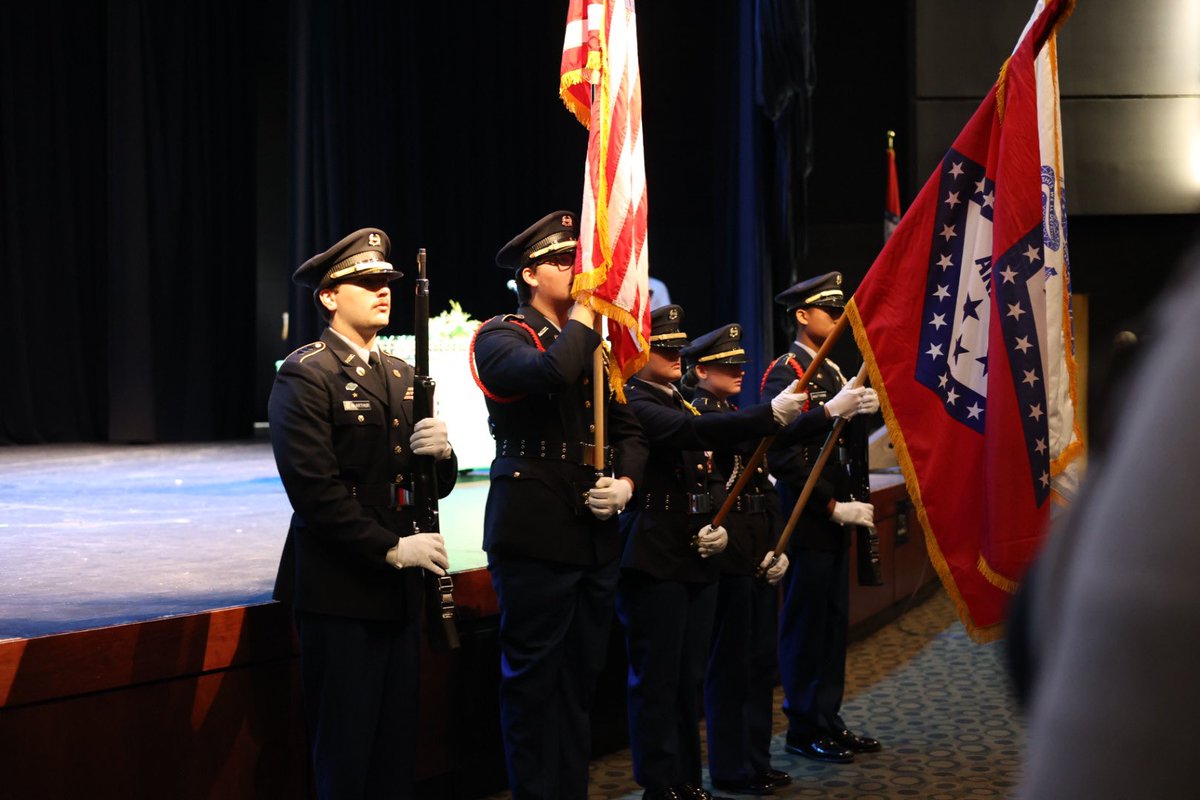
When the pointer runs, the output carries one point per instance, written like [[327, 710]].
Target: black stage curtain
[[127, 137], [769, 75], [786, 78], [53, 243], [435, 122], [354, 153], [128, 220]]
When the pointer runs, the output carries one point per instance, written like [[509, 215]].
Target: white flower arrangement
[[450, 330]]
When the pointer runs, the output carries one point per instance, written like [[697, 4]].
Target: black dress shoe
[[663, 794], [855, 743], [822, 748], [759, 784], [776, 777], [689, 792]]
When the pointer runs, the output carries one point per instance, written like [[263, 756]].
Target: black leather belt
[[383, 495], [575, 452], [751, 504], [678, 501]]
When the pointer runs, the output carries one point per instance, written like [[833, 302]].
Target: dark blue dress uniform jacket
[[793, 455], [341, 446], [659, 541], [814, 613], [751, 535], [536, 506]]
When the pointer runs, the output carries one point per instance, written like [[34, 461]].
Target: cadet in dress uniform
[[342, 432], [739, 685], [668, 592], [550, 527], [815, 614]]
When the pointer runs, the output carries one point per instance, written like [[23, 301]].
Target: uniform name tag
[[356, 405]]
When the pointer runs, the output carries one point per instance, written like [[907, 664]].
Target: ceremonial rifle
[[439, 589], [870, 564]]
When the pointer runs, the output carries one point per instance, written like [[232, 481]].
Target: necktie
[[380, 373]]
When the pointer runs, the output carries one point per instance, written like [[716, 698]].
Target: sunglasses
[[833, 311]]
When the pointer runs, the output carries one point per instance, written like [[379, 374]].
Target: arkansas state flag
[[601, 85], [891, 192], [964, 322]]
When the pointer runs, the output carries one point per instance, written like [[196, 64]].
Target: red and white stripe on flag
[[600, 84], [964, 321]]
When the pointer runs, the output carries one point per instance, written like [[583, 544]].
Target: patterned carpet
[[938, 702]]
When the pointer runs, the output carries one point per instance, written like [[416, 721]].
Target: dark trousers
[[739, 687], [813, 623], [668, 626], [360, 703], [554, 626]]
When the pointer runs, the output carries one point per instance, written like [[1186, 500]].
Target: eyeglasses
[[561, 264]]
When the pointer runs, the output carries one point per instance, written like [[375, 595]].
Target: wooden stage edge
[[208, 704]]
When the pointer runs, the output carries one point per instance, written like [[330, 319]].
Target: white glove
[[710, 540], [787, 405], [608, 497], [847, 402], [854, 513], [429, 438], [870, 402], [424, 550], [774, 573]]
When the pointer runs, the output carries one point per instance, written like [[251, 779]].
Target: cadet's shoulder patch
[[310, 349]]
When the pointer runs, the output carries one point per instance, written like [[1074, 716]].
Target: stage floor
[[96, 535]]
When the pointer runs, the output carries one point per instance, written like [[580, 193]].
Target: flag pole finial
[[891, 139]]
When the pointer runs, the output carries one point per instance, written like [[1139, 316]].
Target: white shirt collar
[[832, 364], [361, 352]]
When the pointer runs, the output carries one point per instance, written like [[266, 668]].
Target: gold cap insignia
[[838, 279], [734, 332], [568, 221], [373, 240], [673, 314]]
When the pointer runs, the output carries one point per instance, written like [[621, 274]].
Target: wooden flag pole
[[599, 386], [798, 386], [813, 476]]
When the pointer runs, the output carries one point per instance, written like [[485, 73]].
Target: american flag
[[964, 321], [600, 84]]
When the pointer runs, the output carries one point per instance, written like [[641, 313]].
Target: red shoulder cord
[[475, 372], [792, 362]]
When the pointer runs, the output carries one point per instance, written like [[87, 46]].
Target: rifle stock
[[441, 626], [870, 564]]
